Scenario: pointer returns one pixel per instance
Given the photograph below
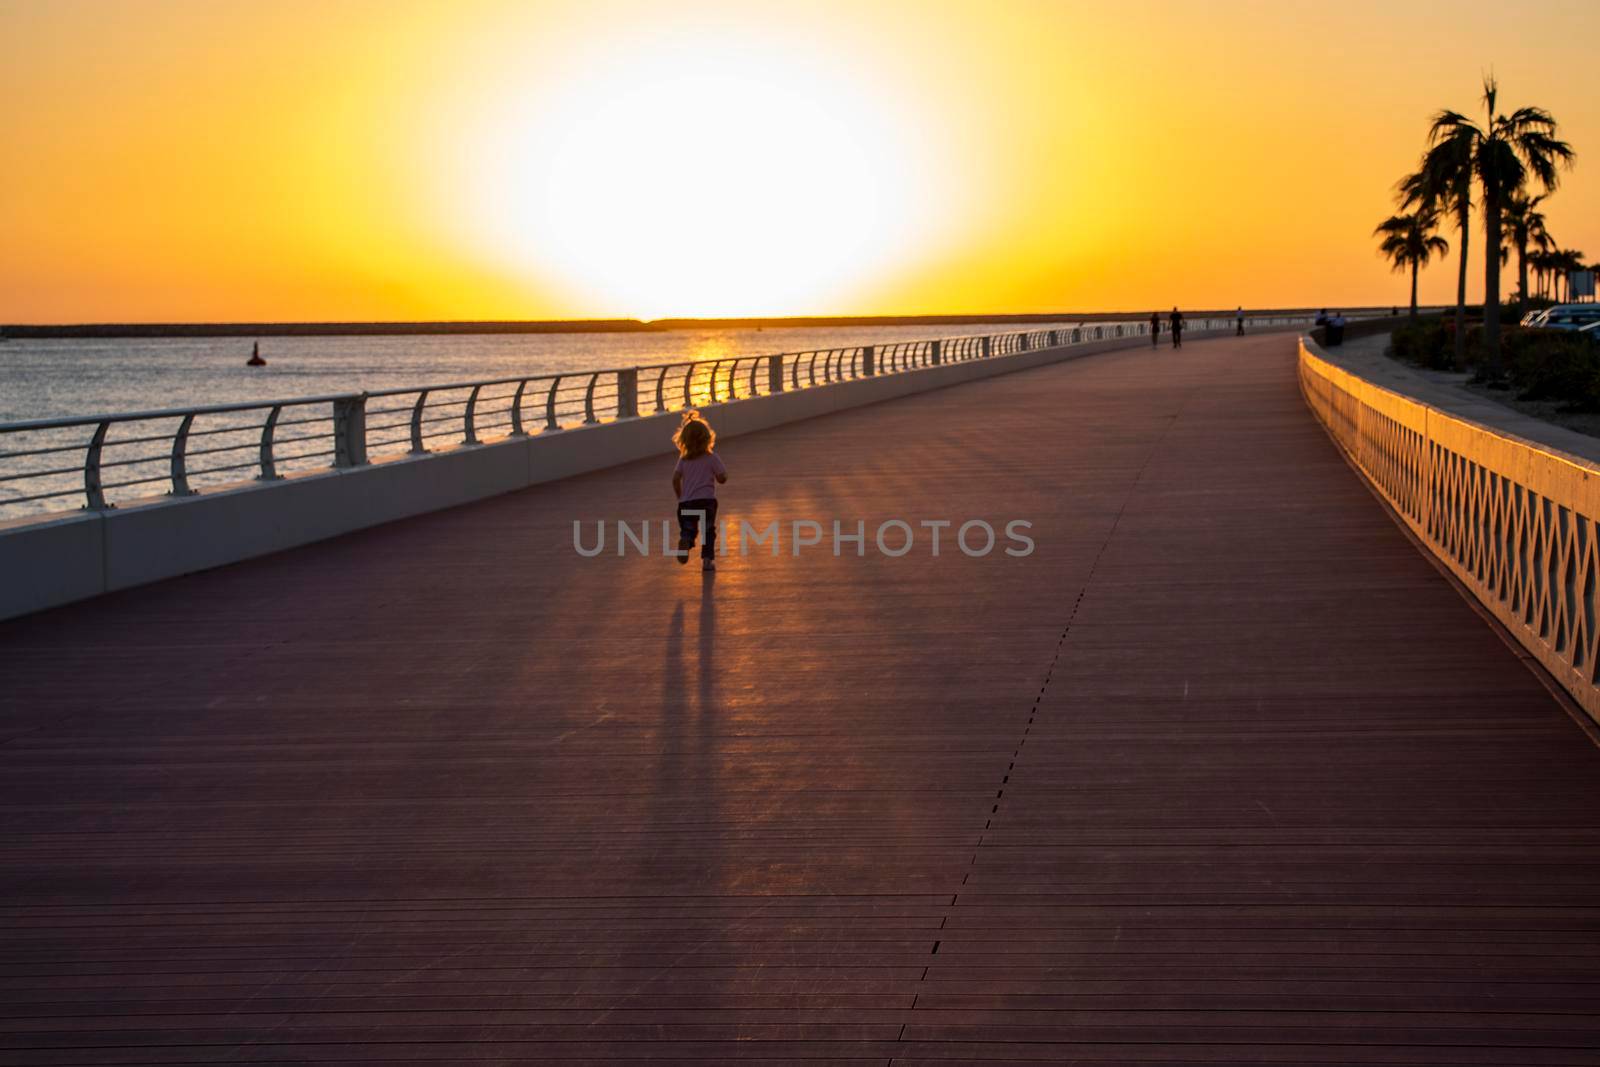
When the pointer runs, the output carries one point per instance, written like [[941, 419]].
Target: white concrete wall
[[45, 563]]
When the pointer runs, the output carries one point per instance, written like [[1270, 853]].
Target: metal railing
[[98, 460]]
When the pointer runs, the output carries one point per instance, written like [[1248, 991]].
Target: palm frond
[[1449, 125]]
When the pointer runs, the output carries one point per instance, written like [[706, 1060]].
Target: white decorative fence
[[1513, 521]]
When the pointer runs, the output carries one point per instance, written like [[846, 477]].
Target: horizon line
[[587, 325]]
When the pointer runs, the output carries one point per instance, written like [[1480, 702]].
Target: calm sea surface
[[54, 378]]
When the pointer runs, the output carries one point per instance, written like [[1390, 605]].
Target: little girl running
[[694, 482]]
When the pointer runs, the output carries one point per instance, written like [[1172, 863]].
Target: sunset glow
[[701, 170], [303, 161]]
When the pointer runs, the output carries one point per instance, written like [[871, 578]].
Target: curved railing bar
[[469, 428], [416, 423], [92, 489], [269, 429], [550, 422], [180, 459], [589, 418], [516, 410]]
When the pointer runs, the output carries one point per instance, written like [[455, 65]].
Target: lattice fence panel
[[1516, 524]]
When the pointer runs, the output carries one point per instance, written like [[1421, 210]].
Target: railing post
[[550, 422], [93, 495], [469, 421], [180, 458], [269, 465], [627, 394], [937, 353], [516, 410], [1022, 342], [417, 447], [774, 374], [988, 343], [869, 361], [350, 431]]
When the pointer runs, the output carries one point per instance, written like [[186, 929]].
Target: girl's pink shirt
[[700, 476]]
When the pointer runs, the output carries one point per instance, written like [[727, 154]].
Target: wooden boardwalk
[[1224, 772]]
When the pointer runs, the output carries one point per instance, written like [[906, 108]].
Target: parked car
[[1567, 317]]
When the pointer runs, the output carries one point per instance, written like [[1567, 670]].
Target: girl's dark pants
[[690, 513]]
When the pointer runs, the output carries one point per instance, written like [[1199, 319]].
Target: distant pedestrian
[[1175, 327], [694, 483], [1334, 331], [1155, 327], [1238, 318], [1322, 317]]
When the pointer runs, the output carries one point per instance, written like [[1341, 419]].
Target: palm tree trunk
[[1414, 290], [1522, 279], [1464, 220], [1491, 282]]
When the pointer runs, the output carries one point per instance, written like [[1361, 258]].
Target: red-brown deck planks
[[1223, 773]]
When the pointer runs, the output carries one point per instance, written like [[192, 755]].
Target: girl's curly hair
[[695, 437]]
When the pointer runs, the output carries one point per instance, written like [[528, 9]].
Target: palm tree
[[1506, 151], [1547, 262], [1443, 182], [1409, 242], [1523, 225], [1559, 261], [1539, 264], [1568, 260]]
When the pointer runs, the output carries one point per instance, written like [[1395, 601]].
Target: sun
[[704, 175]]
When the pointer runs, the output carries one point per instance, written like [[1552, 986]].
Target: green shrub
[[1556, 365], [1472, 351], [1429, 343]]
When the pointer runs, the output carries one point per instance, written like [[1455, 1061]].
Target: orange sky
[[312, 161]]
